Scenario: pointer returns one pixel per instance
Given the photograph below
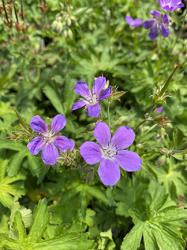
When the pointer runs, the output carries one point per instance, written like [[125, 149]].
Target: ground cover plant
[[93, 125]]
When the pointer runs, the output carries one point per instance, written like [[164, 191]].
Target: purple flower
[[111, 153], [49, 141], [91, 98], [171, 5], [158, 24], [133, 22], [159, 109]]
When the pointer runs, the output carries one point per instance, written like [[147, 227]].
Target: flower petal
[[79, 104], [128, 160], [94, 110], [58, 123], [165, 19], [81, 88], [105, 93], [133, 22], [164, 30], [38, 125], [159, 109], [50, 154], [98, 85], [90, 151], [63, 143], [35, 145], [153, 32], [123, 137], [109, 172], [148, 24], [102, 134], [155, 13]]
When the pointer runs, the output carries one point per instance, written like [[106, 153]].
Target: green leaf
[[54, 98], [133, 239], [66, 242], [40, 219], [20, 226], [9, 189], [11, 145], [16, 162]]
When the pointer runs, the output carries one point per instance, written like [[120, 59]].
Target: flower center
[[48, 137], [93, 100], [109, 152]]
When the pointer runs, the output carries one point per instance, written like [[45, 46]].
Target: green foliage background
[[66, 207]]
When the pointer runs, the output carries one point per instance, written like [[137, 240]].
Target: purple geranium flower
[[171, 5], [111, 153], [92, 98], [158, 24], [159, 109], [49, 141], [133, 22]]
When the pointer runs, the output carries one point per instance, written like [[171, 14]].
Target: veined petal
[[98, 85], [79, 104], [165, 19], [128, 160], [109, 172], [102, 134], [38, 125], [81, 88], [164, 30], [58, 123], [123, 137], [35, 145], [50, 154], [105, 93], [90, 151], [148, 24], [63, 143], [155, 13], [133, 22], [153, 32], [94, 110]]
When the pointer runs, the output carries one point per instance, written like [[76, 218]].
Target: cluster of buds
[[13, 15], [69, 159], [64, 21]]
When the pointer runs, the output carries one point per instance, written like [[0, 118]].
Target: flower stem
[[108, 113]]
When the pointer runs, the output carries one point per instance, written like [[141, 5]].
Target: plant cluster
[[101, 166]]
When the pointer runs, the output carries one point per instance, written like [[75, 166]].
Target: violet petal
[[153, 32], [35, 145], [63, 143], [98, 85], [79, 104], [123, 137], [50, 154], [128, 160], [148, 24], [109, 172], [81, 88], [133, 22], [90, 151], [38, 125], [58, 123], [102, 133], [94, 110], [105, 93], [164, 30]]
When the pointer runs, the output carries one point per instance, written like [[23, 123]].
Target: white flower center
[[92, 100], [48, 136], [108, 153]]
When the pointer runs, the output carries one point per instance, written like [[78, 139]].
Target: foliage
[[45, 49]]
